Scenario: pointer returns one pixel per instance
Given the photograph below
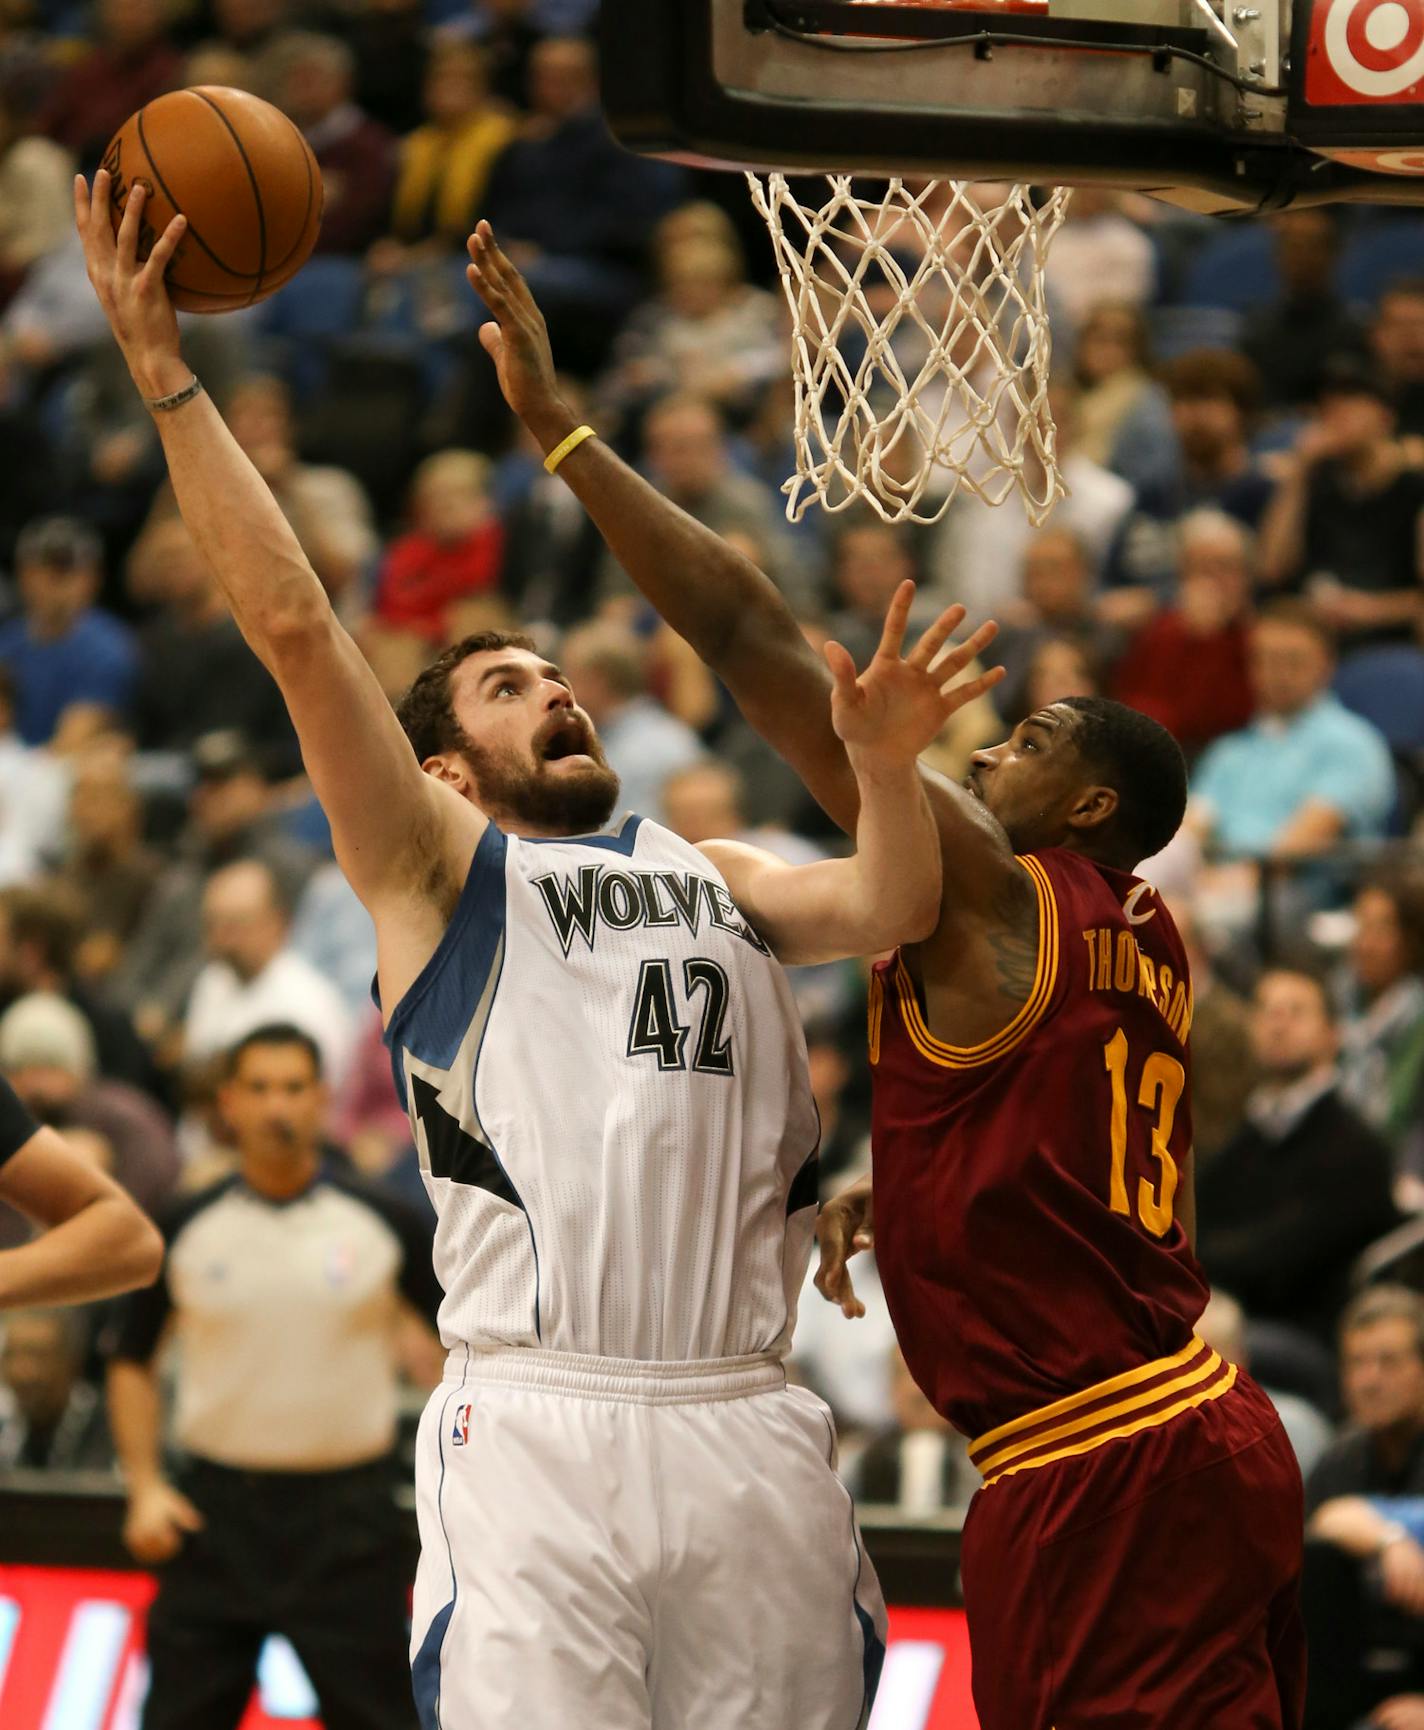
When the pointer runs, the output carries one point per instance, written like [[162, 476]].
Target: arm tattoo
[[1014, 942]]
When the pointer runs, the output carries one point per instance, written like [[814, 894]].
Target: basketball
[[244, 177]]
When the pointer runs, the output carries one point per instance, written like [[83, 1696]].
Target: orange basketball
[[241, 173]]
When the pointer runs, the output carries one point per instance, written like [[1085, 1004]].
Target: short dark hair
[[48, 915], [1215, 373], [1143, 764], [1403, 885], [426, 711], [1298, 613], [269, 1034]]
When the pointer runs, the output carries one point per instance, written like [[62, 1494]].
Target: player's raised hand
[[895, 708], [518, 339], [131, 290], [846, 1227]]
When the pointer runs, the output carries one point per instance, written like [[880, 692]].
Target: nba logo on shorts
[[460, 1433]]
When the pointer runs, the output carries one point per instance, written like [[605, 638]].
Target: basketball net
[[921, 344]]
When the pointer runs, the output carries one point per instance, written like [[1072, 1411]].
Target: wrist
[[160, 375], [874, 767], [551, 423]]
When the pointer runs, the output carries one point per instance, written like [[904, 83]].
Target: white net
[[921, 344]]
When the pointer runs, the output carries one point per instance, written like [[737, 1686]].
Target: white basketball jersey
[[606, 1079]]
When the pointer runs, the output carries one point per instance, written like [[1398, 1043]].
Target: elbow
[[140, 1260], [915, 922]]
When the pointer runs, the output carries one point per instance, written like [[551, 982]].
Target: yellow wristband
[[571, 443]]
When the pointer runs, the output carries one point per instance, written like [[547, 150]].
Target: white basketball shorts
[[629, 1546]]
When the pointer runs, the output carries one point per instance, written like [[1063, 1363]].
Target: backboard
[[1214, 105]]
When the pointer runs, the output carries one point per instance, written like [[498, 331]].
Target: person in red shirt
[[1189, 667], [1134, 1556], [453, 551]]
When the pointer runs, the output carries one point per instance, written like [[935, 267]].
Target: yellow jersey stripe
[[1153, 1421], [1108, 1414], [1085, 1396], [1045, 977]]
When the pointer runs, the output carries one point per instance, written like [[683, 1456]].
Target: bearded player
[[628, 1519], [1133, 1557]]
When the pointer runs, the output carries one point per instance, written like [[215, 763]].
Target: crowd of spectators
[[1241, 422]]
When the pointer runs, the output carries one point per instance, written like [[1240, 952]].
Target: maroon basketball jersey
[[1025, 1188]]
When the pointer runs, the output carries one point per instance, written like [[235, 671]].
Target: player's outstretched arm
[[731, 613], [94, 1241], [888, 892], [386, 815]]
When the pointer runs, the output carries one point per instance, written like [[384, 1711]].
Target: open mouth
[[568, 739]]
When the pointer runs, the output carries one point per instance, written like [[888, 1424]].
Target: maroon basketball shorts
[[1146, 1581]]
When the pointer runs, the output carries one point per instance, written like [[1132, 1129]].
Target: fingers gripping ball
[[244, 177]]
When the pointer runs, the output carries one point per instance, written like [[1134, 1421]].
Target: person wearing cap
[[230, 817], [62, 650], [1344, 526], [47, 1055]]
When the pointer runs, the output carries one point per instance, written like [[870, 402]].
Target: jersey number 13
[[1158, 1090]]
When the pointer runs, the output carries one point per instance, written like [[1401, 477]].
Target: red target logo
[[1365, 51]]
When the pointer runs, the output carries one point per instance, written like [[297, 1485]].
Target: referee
[[283, 1285]]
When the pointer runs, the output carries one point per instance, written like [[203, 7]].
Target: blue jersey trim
[[433, 1017], [623, 842], [425, 1665]]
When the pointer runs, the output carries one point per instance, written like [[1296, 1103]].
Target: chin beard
[[567, 804]]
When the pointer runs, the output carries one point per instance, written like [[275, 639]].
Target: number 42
[[656, 1029], [1159, 1090]]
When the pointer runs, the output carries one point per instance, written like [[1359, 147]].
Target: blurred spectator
[[1290, 339], [41, 927], [1305, 773], [510, 30], [131, 62], [687, 458], [62, 650], [1189, 665], [253, 976], [1397, 344], [1216, 398], [977, 553], [1098, 254], [326, 506], [921, 1464], [196, 675], [1382, 1048], [1058, 595], [607, 667], [1344, 525], [34, 787], [451, 553], [1124, 418], [333, 931], [1057, 667], [391, 43], [282, 1519], [869, 561], [230, 817], [36, 177], [1305, 1184], [47, 1055], [444, 166], [1364, 1574], [249, 26], [106, 866], [573, 208], [706, 331], [51, 1419], [1223, 1069], [1222, 1324], [314, 79]]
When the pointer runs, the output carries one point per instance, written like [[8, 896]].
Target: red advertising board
[[71, 1654], [1363, 53]]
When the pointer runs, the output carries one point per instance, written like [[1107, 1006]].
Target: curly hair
[[426, 710]]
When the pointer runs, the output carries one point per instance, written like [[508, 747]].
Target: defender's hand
[[132, 293], [518, 340], [899, 703], [846, 1227], [158, 1518]]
